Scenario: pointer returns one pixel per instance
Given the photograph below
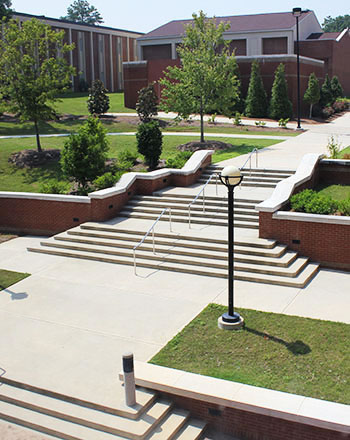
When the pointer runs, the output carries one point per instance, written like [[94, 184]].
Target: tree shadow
[[296, 347], [14, 295]]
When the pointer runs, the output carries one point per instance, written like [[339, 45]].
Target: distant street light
[[231, 177]]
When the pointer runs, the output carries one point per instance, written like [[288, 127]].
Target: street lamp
[[297, 13], [231, 177]]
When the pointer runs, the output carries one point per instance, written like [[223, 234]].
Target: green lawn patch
[[232, 129], [344, 151], [7, 278], [76, 104], [30, 180], [337, 192], [287, 353]]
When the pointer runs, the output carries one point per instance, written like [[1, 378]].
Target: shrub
[[333, 147], [336, 88], [179, 159], [283, 122], [147, 103], [98, 101], [55, 187], [212, 119], [238, 120], [260, 123], [312, 93], [84, 154], [105, 181], [326, 98], [280, 105], [327, 112], [344, 207], [339, 106], [314, 203], [126, 160], [149, 142]]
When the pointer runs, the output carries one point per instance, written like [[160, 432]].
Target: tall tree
[[5, 9], [31, 73], [280, 105], [337, 89], [206, 77], [80, 11], [256, 101], [312, 94], [336, 24]]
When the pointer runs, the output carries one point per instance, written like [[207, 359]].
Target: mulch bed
[[34, 158]]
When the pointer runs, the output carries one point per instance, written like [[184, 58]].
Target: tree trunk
[[37, 136], [202, 121], [310, 116]]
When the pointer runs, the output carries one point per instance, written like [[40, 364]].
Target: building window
[[275, 45], [81, 55], [101, 58]]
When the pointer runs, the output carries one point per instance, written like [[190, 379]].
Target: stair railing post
[[250, 165], [204, 199], [134, 252], [129, 379], [256, 159], [216, 183], [154, 251], [189, 217], [170, 224]]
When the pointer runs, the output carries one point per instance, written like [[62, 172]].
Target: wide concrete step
[[192, 431], [190, 197], [300, 280], [260, 243], [288, 172], [257, 177], [240, 221], [277, 257], [246, 182], [43, 406]]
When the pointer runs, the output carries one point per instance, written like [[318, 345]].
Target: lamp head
[[297, 12], [231, 176]]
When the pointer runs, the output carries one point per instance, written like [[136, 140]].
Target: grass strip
[[297, 355], [8, 277]]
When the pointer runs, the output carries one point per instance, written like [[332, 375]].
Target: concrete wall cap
[[301, 409], [314, 218], [285, 188], [40, 196]]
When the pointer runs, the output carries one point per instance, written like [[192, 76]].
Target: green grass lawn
[[30, 180], [337, 192], [76, 104], [287, 353], [7, 278], [344, 151]]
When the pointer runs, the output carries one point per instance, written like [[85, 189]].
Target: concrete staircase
[[68, 418], [257, 177], [257, 260], [214, 213]]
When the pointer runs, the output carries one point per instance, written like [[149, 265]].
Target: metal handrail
[[147, 233], [200, 192], [250, 161]]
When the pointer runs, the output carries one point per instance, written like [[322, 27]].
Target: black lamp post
[[297, 13], [231, 177]]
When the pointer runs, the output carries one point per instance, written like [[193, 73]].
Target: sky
[[144, 16]]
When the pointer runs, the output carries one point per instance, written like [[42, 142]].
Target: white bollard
[[129, 379]]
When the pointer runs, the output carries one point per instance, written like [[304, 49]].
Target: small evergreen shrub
[[336, 88], [311, 202], [212, 119], [98, 101], [283, 122], [326, 94], [126, 160], [179, 159], [147, 103], [256, 100], [149, 142], [280, 105], [238, 120]]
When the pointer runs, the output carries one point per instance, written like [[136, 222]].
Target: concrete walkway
[[67, 326]]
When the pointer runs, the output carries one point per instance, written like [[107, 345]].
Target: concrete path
[[67, 326]]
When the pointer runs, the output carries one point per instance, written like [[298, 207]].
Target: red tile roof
[[238, 23]]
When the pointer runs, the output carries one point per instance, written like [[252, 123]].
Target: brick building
[[99, 50], [269, 38]]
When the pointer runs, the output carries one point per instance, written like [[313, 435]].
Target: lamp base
[[228, 322]]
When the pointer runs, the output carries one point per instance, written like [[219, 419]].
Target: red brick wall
[[251, 426]]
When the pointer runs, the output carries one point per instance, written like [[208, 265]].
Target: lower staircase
[[257, 260], [66, 417]]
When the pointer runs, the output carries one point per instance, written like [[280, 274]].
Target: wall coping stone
[[279, 58], [285, 188], [287, 406], [190, 167], [314, 218], [41, 196]]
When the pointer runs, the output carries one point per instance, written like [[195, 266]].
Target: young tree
[[256, 101], [280, 105], [206, 78], [149, 142], [336, 24], [147, 103], [98, 101], [312, 93], [326, 92], [84, 154], [5, 9], [337, 89], [31, 73], [80, 11]]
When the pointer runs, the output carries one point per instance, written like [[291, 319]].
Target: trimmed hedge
[[312, 202]]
